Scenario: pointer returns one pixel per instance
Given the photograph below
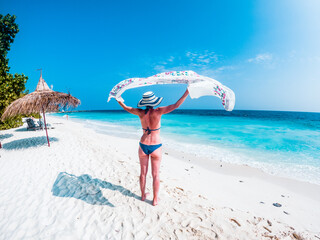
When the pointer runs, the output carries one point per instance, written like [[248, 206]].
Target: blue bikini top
[[148, 130]]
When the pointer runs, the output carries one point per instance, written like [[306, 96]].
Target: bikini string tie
[[148, 130]]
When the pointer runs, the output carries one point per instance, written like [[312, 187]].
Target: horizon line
[[193, 109]]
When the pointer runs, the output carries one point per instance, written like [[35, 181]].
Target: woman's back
[[151, 123]]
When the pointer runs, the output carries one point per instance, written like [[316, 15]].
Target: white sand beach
[[85, 186]]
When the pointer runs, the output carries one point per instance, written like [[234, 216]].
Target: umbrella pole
[[45, 126]]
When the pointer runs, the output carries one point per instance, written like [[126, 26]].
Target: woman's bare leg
[[155, 165], [144, 159]]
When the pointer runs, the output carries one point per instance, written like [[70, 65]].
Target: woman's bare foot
[[144, 196], [155, 202]]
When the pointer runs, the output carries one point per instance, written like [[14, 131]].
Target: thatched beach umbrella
[[43, 99]]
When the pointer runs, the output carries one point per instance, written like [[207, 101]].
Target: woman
[[150, 143]]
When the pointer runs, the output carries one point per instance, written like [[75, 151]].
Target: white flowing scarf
[[198, 86]]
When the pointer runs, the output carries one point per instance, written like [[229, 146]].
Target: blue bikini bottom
[[148, 149]]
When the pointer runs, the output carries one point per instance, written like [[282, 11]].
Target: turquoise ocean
[[285, 144]]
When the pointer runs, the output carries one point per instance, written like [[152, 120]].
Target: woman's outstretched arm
[[170, 108], [135, 111]]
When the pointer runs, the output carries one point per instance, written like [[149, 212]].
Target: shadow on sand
[[28, 143], [4, 136], [86, 188], [24, 129]]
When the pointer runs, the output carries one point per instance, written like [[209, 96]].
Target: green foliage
[[8, 30], [11, 123], [17, 121], [12, 86]]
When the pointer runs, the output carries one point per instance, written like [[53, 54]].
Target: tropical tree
[[12, 86]]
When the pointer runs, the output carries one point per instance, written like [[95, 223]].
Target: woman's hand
[[119, 99]]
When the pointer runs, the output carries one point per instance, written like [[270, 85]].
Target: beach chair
[[41, 124], [32, 125]]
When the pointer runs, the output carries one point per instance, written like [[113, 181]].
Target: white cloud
[[223, 68], [261, 58], [160, 68], [204, 63], [171, 59], [205, 57]]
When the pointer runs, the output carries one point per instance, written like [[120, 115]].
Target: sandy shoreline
[[86, 186]]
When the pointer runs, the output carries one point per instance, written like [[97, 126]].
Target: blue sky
[[266, 51]]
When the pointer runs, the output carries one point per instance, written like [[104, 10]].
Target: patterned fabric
[[198, 86]]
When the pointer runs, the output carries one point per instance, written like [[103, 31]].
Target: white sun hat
[[149, 100]]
